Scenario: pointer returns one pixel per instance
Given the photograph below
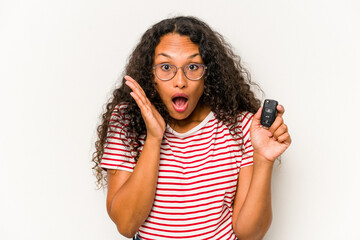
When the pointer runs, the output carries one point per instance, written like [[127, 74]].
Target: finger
[[139, 102], [276, 124], [257, 117], [141, 95], [284, 138], [157, 115], [280, 131], [280, 110], [136, 87], [135, 83], [278, 120]]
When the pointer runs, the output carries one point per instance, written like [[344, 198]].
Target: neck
[[196, 117]]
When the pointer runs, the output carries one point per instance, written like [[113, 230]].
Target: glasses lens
[[194, 71], [165, 71]]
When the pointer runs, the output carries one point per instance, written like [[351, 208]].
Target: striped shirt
[[197, 176]]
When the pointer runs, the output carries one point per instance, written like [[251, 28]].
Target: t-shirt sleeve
[[247, 150], [117, 151]]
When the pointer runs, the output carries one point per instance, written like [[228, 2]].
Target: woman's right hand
[[154, 122]]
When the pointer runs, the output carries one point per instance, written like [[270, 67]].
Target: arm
[[252, 212], [131, 195], [252, 207]]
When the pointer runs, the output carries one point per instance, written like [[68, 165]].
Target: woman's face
[[180, 95]]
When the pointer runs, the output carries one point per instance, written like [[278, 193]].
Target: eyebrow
[[168, 56]]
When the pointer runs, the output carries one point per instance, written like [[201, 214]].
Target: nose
[[179, 80]]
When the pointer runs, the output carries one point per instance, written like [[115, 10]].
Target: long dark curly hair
[[226, 83]]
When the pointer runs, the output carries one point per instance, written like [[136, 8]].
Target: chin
[[179, 116]]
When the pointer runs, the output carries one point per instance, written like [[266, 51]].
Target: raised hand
[[155, 124], [270, 143]]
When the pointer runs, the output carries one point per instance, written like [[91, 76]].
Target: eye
[[193, 67], [166, 67]]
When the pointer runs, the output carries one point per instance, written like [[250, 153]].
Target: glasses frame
[[177, 68]]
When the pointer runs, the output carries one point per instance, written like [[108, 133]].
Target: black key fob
[[269, 112]]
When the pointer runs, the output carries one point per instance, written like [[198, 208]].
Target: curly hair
[[226, 83]]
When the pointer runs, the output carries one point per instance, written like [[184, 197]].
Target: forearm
[[255, 216], [132, 203]]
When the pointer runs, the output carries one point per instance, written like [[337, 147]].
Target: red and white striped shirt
[[197, 177]]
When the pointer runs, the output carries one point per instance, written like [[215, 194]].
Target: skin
[[131, 195], [180, 51]]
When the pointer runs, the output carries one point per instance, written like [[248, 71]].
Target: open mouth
[[180, 102]]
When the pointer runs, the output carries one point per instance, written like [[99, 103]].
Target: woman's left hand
[[270, 143]]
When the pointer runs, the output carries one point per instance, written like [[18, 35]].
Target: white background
[[60, 60]]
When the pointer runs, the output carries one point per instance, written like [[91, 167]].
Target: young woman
[[181, 141]]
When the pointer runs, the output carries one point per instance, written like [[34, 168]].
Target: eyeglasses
[[192, 71]]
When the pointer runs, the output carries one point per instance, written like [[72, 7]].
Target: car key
[[269, 112]]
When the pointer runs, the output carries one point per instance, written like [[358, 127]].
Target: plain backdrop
[[60, 61]]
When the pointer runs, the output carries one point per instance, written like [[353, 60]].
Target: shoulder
[[239, 121], [243, 119], [120, 112], [119, 117], [120, 109], [238, 124], [242, 127]]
